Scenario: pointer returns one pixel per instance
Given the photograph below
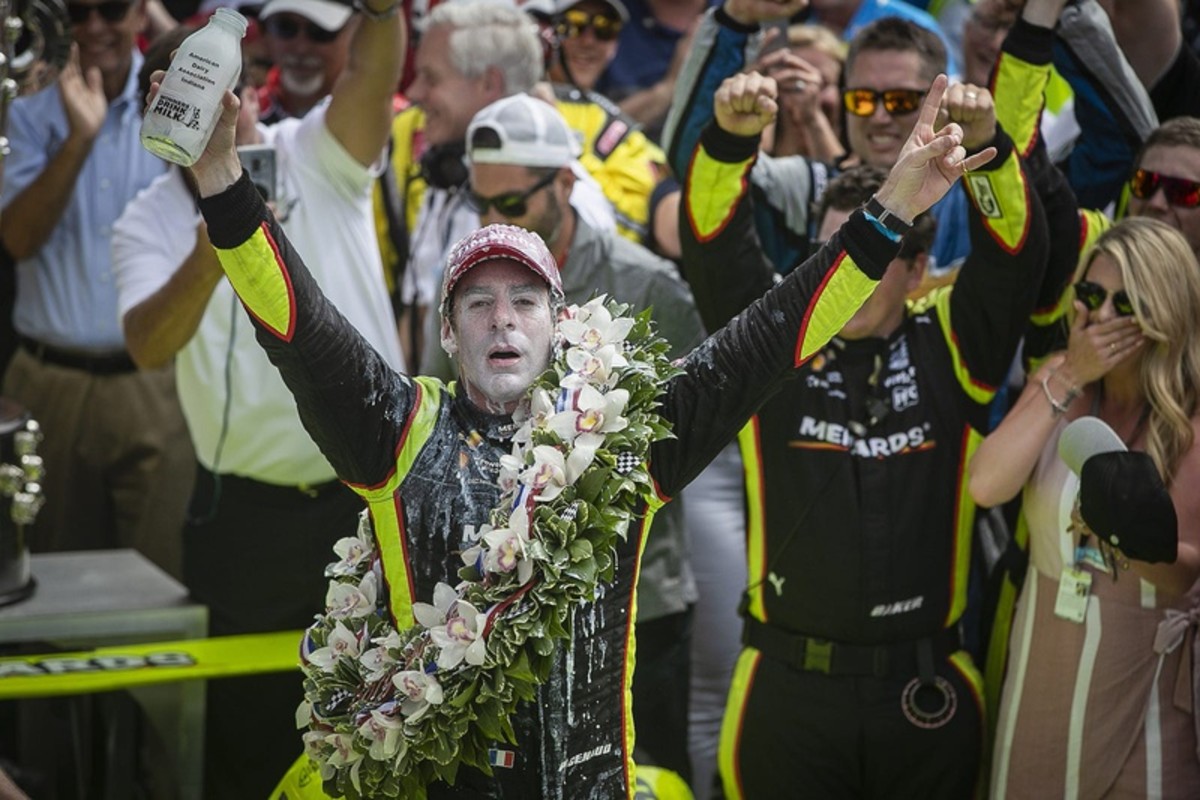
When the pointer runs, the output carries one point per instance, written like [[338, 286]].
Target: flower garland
[[391, 711]]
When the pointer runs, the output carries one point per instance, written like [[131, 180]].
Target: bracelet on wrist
[[876, 212], [378, 16], [1058, 408]]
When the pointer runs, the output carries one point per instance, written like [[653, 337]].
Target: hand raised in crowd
[[752, 12], [1095, 347], [83, 97], [745, 104], [799, 82], [930, 161], [973, 108]]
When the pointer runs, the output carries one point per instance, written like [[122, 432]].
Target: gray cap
[[523, 131]]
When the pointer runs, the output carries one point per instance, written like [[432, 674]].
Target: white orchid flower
[[315, 746], [344, 755], [418, 692], [455, 626], [507, 549], [510, 469], [460, 638], [428, 615], [548, 474], [341, 642], [541, 406], [593, 327], [594, 367], [376, 661], [592, 412], [347, 601], [383, 732], [352, 552]]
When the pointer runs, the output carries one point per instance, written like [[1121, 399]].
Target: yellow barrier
[[303, 782], [126, 666]]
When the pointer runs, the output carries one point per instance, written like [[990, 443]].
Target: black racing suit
[[859, 517], [426, 459]]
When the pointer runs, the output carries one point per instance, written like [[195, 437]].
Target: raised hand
[[745, 103], [83, 98], [973, 108], [751, 12], [930, 161], [799, 81], [218, 167]]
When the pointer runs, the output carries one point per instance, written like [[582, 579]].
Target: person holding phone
[[263, 490]]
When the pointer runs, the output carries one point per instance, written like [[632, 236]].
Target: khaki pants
[[119, 461]]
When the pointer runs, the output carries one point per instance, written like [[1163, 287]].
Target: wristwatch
[[886, 218]]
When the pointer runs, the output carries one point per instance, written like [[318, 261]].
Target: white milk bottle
[[185, 111]]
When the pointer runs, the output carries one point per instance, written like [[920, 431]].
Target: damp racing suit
[[425, 459], [852, 681]]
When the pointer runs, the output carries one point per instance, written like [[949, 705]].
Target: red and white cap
[[500, 242]]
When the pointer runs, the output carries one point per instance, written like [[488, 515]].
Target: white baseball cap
[[329, 15], [523, 131]]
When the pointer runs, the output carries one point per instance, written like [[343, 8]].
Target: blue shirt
[[644, 52], [66, 296]]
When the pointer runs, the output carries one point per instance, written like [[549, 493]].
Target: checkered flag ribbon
[[626, 462]]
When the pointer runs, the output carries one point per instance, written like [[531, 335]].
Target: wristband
[[1059, 408], [887, 219]]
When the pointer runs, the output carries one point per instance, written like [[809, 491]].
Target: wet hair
[[1162, 278], [894, 33], [486, 34], [1177, 132], [854, 187]]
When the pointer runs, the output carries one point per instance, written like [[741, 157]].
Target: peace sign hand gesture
[[930, 161]]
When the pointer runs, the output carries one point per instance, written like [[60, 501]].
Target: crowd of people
[[876, 562]]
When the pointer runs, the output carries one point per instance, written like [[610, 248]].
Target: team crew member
[[853, 681], [424, 455]]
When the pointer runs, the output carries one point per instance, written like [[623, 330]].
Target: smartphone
[[259, 162], [778, 39]]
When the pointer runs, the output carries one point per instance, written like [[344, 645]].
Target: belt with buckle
[[96, 364], [812, 654]]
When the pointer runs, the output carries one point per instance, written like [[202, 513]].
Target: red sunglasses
[[1179, 191]]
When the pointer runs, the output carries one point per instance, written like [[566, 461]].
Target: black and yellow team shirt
[[425, 460], [859, 516]]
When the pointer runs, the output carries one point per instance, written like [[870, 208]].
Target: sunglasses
[[863, 102], [508, 204], [1179, 191], [574, 22], [288, 28], [112, 11], [1093, 296]]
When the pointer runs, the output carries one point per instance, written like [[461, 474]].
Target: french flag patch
[[502, 758]]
